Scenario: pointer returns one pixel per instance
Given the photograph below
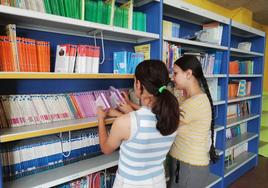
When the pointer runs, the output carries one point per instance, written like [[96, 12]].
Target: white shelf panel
[[219, 152], [237, 99], [238, 140], [18, 133], [218, 128], [213, 180], [245, 31], [194, 43], [47, 22], [218, 102], [238, 120], [237, 52], [66, 173], [191, 13], [215, 75], [54, 75], [244, 75], [240, 161]]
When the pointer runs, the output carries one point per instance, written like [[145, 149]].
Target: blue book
[[217, 63], [120, 62]]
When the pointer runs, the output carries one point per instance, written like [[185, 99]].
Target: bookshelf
[[31, 131], [191, 18], [62, 30], [66, 173], [249, 158]]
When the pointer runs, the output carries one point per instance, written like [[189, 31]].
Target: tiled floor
[[255, 178]]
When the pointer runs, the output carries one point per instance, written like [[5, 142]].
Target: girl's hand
[[125, 96], [114, 113], [101, 113], [125, 108]]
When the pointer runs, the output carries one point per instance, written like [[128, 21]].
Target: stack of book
[[96, 180], [236, 131], [240, 109], [171, 52], [77, 58], [241, 67], [23, 54], [239, 88], [171, 29], [22, 110], [35, 155], [126, 62], [232, 154]]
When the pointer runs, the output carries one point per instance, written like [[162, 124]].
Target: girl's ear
[[189, 74]]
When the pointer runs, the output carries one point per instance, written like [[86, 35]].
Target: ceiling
[[258, 7]]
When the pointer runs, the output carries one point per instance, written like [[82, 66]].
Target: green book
[[109, 12], [144, 23], [104, 11], [125, 17], [61, 7], [99, 11], [87, 9], [47, 6], [94, 12]]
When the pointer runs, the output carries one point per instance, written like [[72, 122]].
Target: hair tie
[[161, 89]]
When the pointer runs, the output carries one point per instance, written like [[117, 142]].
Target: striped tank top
[[142, 155]]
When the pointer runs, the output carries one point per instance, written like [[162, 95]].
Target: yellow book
[[167, 28], [11, 32], [145, 49]]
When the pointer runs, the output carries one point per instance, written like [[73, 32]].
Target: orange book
[[19, 45], [232, 90], [79, 113], [233, 67]]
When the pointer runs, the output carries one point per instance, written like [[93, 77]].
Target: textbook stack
[[96, 180], [77, 58], [23, 54], [126, 62], [22, 110], [171, 52], [35, 155], [241, 67]]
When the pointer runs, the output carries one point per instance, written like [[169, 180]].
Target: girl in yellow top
[[192, 148]]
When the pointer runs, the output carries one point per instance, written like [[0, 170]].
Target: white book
[[62, 59]]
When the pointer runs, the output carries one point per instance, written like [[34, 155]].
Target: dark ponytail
[[153, 75], [191, 62]]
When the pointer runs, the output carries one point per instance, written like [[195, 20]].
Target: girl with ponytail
[[145, 135], [194, 144]]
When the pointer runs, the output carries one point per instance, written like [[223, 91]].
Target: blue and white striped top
[[142, 155]]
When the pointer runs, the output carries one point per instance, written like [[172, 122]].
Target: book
[[145, 49]]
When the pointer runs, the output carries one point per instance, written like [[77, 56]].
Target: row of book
[[96, 180], [232, 154], [236, 131], [99, 11], [171, 29], [23, 54], [240, 109], [105, 12], [35, 155], [171, 52], [126, 62], [77, 58], [241, 67], [239, 88], [35, 109], [211, 62]]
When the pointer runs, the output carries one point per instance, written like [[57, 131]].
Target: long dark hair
[[191, 62], [153, 74]]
